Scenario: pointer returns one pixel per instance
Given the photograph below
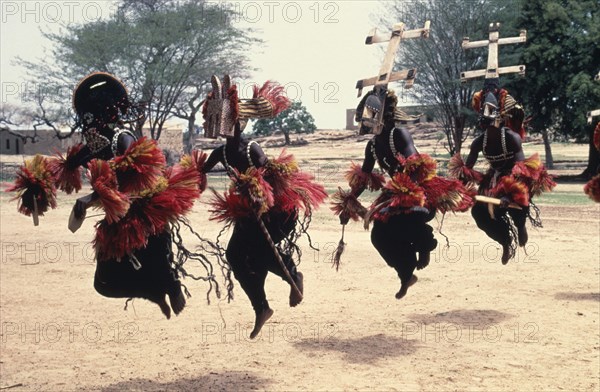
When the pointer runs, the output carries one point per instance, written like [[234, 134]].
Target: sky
[[316, 49]]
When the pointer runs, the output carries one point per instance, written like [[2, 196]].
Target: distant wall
[[171, 139], [46, 143], [350, 124], [10, 144]]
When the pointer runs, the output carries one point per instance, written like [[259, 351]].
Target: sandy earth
[[470, 323]]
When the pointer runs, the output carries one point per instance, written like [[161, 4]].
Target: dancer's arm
[[476, 148], [367, 167], [215, 157], [404, 142], [257, 155], [513, 141]]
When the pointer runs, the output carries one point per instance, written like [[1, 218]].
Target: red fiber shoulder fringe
[[417, 185], [150, 212], [293, 190], [248, 194], [534, 175], [528, 178], [279, 185], [140, 166]]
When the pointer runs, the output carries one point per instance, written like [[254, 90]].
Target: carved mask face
[[369, 112], [490, 111]]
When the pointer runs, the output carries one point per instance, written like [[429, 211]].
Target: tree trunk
[[547, 150], [286, 135], [190, 142], [459, 127], [593, 159]]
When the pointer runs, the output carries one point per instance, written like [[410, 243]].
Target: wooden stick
[[277, 255], [371, 211], [35, 215], [12, 386], [495, 201], [263, 228]]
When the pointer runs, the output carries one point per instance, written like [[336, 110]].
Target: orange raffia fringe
[[403, 192], [534, 175], [447, 195], [345, 202], [34, 180], [275, 94], [293, 189], [140, 166], [458, 169], [249, 193], [358, 179], [592, 188], [119, 239], [512, 188], [420, 167], [104, 182], [229, 207], [196, 160], [67, 172]]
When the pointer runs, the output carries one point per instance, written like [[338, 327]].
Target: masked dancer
[[408, 200], [512, 179], [143, 200], [265, 197]]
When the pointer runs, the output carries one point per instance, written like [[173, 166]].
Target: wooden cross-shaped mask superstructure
[[594, 113], [385, 73], [492, 70]]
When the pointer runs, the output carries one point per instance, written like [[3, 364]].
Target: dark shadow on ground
[[364, 350], [468, 318], [571, 296], [214, 381]]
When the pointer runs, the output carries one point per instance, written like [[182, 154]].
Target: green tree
[[295, 119], [165, 51], [561, 56], [440, 59]]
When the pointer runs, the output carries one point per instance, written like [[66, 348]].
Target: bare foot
[[177, 300], [295, 297], [261, 319], [404, 288]]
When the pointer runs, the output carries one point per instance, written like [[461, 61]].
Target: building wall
[[171, 139], [10, 144], [46, 143], [350, 123]]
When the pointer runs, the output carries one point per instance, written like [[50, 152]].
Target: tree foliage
[[561, 55], [295, 119], [439, 60], [165, 51]]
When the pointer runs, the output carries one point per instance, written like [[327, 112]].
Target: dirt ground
[[470, 323]]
